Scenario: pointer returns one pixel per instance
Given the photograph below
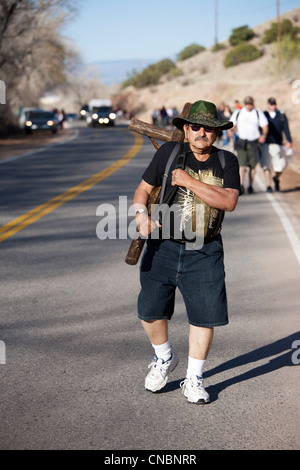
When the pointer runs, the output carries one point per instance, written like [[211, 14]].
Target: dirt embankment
[[205, 77]]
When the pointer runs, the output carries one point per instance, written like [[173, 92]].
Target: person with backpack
[[186, 251], [272, 151], [251, 128]]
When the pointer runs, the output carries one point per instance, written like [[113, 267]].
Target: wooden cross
[[160, 133]]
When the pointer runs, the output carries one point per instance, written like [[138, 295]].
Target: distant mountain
[[116, 71]]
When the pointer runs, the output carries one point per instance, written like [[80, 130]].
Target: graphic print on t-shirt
[[201, 222]]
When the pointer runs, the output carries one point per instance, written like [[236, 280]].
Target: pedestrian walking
[[209, 179], [251, 127], [273, 151]]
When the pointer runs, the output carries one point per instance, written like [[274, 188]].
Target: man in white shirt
[[251, 127]]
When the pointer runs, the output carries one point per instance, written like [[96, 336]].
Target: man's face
[[200, 138], [271, 107], [249, 107]]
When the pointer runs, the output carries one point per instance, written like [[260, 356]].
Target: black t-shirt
[[185, 219]]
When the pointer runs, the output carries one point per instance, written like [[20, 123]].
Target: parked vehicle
[[34, 119], [70, 117], [100, 113], [84, 112]]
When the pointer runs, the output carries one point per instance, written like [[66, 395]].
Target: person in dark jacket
[[273, 153]]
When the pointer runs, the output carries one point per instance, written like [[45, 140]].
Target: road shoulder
[[22, 144]]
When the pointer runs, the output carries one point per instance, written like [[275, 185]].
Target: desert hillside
[[205, 77]]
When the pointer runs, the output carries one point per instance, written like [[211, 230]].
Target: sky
[[110, 30]]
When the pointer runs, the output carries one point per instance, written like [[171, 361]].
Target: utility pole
[[278, 35], [216, 21]]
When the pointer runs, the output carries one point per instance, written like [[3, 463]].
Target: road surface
[[76, 356]]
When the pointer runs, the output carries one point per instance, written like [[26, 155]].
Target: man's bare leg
[[251, 176], [156, 330], [242, 174], [200, 341]]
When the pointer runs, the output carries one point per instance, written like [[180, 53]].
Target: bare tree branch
[[33, 54]]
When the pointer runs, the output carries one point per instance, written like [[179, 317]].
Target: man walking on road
[[210, 181], [251, 128], [272, 150]]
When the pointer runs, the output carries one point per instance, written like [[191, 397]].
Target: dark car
[[101, 116], [84, 112], [39, 120]]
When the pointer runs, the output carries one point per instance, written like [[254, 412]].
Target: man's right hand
[[145, 224]]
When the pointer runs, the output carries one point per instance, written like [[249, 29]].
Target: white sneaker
[[193, 389], [159, 372]]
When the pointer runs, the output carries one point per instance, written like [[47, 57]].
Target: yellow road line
[[30, 217]]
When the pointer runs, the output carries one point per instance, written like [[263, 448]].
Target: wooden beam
[[150, 130], [159, 133], [153, 132]]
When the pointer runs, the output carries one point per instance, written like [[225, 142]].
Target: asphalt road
[[76, 355]]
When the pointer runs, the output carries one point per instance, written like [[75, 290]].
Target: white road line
[[40, 149], [294, 240]]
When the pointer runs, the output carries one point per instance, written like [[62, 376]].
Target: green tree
[[286, 29], [151, 74], [241, 34], [243, 52], [33, 55], [190, 51], [289, 49]]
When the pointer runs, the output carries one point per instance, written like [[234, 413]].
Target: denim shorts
[[198, 274]]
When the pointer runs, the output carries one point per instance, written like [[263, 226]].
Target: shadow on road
[[282, 349], [296, 188]]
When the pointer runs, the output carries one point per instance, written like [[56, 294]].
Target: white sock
[[195, 367], [163, 351]]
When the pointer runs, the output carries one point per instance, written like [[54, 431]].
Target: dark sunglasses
[[197, 127]]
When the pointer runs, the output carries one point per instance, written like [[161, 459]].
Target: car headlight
[[28, 123], [95, 116], [83, 112], [106, 120], [50, 123], [112, 116]]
